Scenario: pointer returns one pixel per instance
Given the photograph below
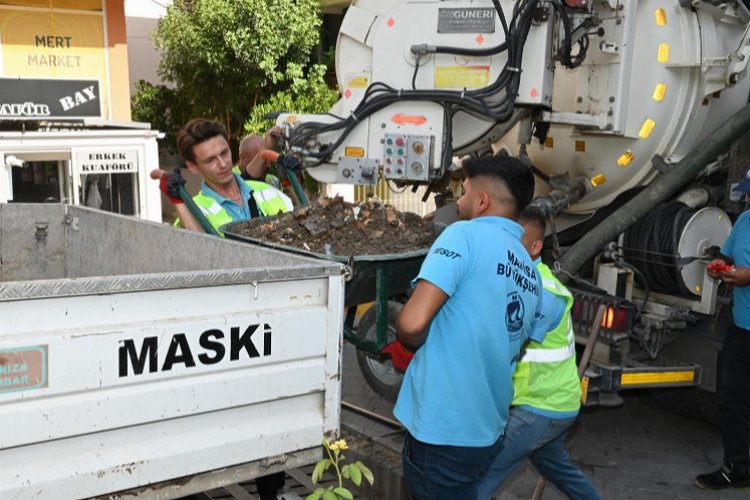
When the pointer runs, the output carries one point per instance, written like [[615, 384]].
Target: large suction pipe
[[660, 190]]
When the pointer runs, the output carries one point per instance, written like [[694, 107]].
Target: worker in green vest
[[547, 389], [224, 196], [251, 164]]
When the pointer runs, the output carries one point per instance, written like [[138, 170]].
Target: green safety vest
[[270, 201], [546, 376], [270, 178]]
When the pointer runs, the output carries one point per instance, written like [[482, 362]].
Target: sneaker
[[728, 476]]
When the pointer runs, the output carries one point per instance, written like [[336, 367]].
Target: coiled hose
[[651, 247]]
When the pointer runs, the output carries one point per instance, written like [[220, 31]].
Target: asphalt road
[[637, 451]]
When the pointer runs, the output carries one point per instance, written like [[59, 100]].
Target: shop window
[[111, 192]]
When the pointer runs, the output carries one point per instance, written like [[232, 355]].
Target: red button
[[399, 142]]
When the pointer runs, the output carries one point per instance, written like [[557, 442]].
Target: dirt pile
[[335, 227]]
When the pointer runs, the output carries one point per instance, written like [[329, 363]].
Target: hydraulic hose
[[661, 189]]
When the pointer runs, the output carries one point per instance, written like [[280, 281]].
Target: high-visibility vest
[[546, 376], [270, 201]]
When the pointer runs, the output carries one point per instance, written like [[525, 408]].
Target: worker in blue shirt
[[473, 303], [734, 359], [547, 389]]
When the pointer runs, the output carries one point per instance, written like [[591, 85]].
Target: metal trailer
[[141, 360]]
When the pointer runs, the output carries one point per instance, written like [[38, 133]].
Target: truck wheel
[[379, 373]]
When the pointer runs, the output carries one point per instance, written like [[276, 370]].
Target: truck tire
[[379, 373]]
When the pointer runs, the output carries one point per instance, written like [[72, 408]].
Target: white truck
[[625, 109], [138, 360]]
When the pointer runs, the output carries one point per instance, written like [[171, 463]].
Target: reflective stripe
[[549, 355], [213, 209], [553, 284]]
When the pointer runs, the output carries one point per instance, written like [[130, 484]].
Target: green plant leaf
[[366, 472], [344, 493], [315, 495], [320, 469], [329, 495], [356, 474], [345, 471]]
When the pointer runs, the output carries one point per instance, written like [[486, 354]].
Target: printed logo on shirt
[[448, 253], [514, 314]]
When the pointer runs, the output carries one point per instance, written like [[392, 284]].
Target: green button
[[389, 151], [390, 141], [400, 152]]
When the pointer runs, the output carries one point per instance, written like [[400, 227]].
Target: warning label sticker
[[460, 77]]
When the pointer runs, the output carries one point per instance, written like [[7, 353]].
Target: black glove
[[286, 162], [170, 185]]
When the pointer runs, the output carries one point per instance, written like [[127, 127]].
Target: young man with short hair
[[474, 300], [224, 196]]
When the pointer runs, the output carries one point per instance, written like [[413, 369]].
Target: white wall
[[140, 18]]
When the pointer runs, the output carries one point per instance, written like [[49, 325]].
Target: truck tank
[[623, 82]]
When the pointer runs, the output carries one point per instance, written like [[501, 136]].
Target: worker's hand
[[736, 275], [715, 267], [288, 162], [271, 139], [401, 355], [170, 184]]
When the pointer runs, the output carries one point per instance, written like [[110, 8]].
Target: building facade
[[65, 130]]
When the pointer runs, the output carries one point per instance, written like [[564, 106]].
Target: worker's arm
[[415, 317], [739, 276], [269, 144], [548, 316], [187, 220]]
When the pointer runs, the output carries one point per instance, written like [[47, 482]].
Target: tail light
[[618, 317]]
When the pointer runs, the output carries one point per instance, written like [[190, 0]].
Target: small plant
[[352, 471]]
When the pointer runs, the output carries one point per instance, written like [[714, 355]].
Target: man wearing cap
[[734, 358]]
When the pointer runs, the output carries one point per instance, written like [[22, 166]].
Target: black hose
[[652, 247], [663, 188]]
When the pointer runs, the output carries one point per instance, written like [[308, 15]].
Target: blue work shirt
[[737, 247], [235, 211], [457, 389]]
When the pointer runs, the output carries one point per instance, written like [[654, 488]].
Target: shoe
[[728, 476], [287, 494]]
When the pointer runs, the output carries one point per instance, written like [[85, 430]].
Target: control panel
[[407, 157], [361, 171]]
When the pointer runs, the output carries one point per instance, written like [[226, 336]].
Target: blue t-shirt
[[458, 387], [235, 211], [737, 247]]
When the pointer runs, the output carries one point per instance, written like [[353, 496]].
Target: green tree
[[306, 94], [222, 57]]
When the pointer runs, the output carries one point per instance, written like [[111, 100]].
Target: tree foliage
[[306, 94], [222, 57]]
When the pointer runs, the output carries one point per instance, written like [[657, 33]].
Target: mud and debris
[[333, 226]]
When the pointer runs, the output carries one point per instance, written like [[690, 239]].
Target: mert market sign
[[45, 99]]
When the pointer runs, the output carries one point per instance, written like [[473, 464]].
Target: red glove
[[170, 184], [400, 355], [719, 266]]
